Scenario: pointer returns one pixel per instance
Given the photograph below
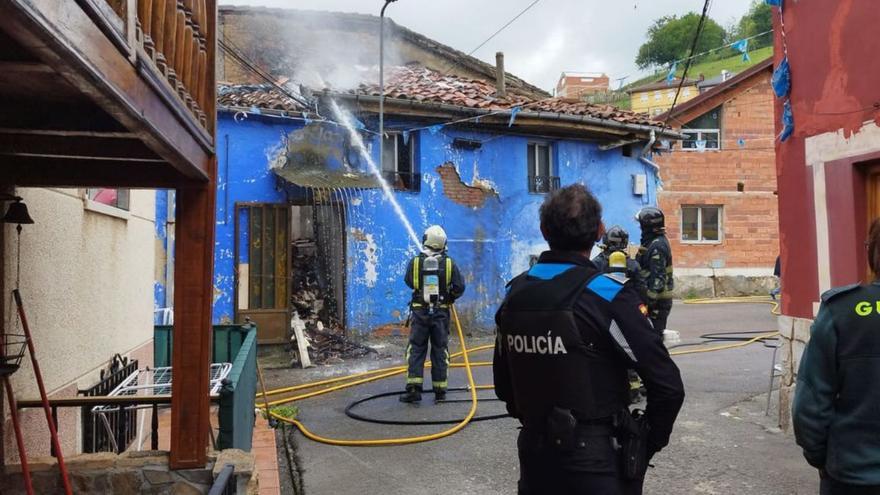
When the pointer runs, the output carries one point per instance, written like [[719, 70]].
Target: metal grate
[[543, 183], [123, 424]]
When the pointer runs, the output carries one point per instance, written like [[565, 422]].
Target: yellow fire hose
[[379, 374], [403, 440]]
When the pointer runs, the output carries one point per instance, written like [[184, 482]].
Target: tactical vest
[[432, 276], [551, 362]]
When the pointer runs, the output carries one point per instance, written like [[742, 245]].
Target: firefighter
[[836, 402], [655, 260], [566, 334], [616, 240], [436, 283]]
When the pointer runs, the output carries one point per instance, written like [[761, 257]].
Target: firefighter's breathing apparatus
[[343, 382]]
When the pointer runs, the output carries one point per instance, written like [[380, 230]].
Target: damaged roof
[[422, 85]]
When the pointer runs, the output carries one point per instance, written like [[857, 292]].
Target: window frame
[[121, 207], [699, 137], [700, 239], [393, 174], [532, 174]]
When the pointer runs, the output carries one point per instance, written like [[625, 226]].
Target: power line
[[496, 33], [689, 59], [250, 66]]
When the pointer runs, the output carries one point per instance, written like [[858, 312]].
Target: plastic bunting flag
[[405, 135], [742, 46], [359, 125], [777, 3], [306, 119], [670, 77], [787, 121], [741, 142], [781, 80], [434, 129], [513, 112], [700, 144], [256, 110]]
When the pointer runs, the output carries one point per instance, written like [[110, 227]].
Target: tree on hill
[[670, 38], [759, 19]]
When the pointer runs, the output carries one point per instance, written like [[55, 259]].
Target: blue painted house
[[306, 233]]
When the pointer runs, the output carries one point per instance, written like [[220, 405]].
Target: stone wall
[[795, 333], [131, 473], [702, 286]]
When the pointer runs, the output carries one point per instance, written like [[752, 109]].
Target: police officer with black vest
[[436, 284], [836, 404], [655, 260], [566, 334]]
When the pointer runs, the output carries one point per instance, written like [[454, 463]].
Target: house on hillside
[[577, 85], [301, 219], [657, 97], [829, 167], [719, 188]]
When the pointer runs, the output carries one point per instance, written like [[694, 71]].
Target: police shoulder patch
[[830, 294], [606, 286]]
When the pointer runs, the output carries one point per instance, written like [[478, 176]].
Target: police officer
[[616, 240], [655, 260], [836, 401], [436, 284], [566, 335]]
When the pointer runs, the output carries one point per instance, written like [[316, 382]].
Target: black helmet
[[615, 239], [651, 220]]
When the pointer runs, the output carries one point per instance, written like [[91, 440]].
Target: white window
[[117, 198], [701, 224], [644, 97], [540, 169], [658, 95], [687, 92], [701, 139], [670, 94], [399, 163]]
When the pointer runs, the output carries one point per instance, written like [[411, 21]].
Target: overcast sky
[[553, 36]]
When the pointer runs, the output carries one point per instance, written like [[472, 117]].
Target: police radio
[[431, 281]]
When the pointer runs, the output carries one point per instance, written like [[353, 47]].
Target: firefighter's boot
[[439, 394], [413, 394]]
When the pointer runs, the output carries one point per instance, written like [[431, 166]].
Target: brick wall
[[458, 191], [749, 218]]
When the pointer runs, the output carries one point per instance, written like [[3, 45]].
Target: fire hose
[[348, 381]]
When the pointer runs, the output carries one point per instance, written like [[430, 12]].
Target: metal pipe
[[382, 83]]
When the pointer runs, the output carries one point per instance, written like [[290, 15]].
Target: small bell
[[17, 214]]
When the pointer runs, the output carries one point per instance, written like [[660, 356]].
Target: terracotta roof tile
[[425, 85]]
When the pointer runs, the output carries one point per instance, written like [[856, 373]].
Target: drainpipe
[[643, 157], [382, 82]]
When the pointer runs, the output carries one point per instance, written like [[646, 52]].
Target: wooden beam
[[63, 36], [31, 171], [76, 147], [40, 115], [7, 67], [193, 294]]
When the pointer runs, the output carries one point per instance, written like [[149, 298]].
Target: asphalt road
[[722, 443]]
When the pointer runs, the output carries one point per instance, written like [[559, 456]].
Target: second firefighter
[[436, 284]]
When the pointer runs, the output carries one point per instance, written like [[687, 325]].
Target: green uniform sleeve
[[816, 388], [656, 269]]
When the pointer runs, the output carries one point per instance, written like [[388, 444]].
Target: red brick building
[[576, 85], [719, 188], [829, 169]]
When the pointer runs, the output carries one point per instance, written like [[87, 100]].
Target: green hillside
[[711, 68]]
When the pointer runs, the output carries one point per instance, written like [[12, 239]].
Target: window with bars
[[399, 164], [540, 168], [701, 224]]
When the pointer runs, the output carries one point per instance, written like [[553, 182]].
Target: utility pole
[[382, 84]]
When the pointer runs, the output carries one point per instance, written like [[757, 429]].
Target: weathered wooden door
[[262, 232]]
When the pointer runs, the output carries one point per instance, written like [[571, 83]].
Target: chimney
[[500, 85]]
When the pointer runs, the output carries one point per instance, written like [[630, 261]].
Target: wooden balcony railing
[[173, 36]]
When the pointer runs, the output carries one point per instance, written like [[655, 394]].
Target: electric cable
[[687, 64]]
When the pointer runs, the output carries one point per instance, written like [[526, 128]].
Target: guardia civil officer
[[836, 402], [655, 260], [436, 284], [616, 240], [566, 334]]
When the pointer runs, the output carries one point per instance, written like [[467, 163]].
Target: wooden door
[[262, 239], [873, 197]]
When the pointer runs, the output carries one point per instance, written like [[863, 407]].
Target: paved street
[[722, 444]]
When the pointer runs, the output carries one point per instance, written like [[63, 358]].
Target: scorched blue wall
[[490, 243]]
